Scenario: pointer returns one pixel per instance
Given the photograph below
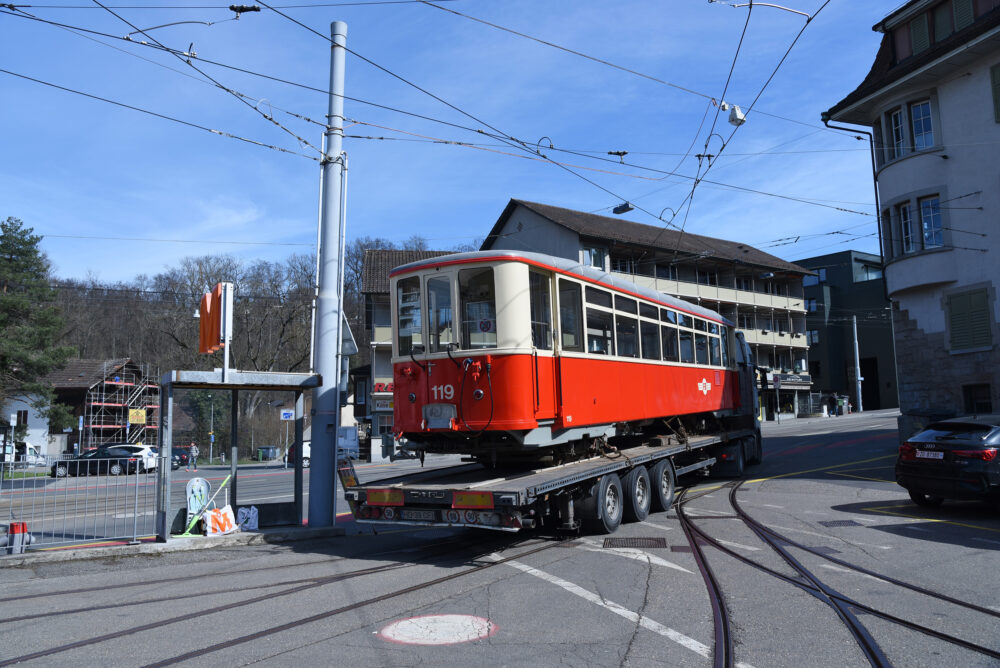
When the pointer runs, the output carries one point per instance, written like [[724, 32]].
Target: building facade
[[848, 291], [932, 101], [761, 293]]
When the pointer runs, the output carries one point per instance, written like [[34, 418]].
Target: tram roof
[[569, 267]]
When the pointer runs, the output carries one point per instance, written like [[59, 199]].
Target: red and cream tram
[[507, 355]]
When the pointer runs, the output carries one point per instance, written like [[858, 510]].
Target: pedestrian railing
[[78, 500]]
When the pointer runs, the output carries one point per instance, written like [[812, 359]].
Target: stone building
[[932, 101]]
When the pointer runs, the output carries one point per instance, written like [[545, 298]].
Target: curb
[[281, 535]]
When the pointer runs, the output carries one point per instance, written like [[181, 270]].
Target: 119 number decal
[[443, 392]]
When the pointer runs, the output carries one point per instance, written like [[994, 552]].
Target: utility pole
[[329, 302], [211, 428], [857, 363]]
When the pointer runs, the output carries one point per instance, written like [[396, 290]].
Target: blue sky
[[144, 192]]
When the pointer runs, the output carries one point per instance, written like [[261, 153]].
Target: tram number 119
[[440, 392]]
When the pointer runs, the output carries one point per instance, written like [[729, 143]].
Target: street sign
[[287, 414]]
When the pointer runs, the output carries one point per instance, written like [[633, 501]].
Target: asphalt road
[[460, 597]]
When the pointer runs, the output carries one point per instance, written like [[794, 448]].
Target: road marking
[[656, 526], [703, 511], [848, 570], [438, 630], [822, 468], [826, 535], [815, 512], [771, 505], [592, 545], [647, 623], [913, 528], [738, 546], [883, 510], [987, 540], [860, 477]]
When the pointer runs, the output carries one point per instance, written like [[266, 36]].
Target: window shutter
[[969, 320], [942, 22], [964, 14], [919, 35], [995, 84]]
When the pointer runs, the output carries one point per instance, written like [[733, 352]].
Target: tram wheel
[[602, 510], [664, 483], [638, 494]]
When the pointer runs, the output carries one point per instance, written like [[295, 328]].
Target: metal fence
[[79, 500]]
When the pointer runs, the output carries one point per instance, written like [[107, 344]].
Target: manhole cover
[[636, 542], [839, 523], [438, 630]]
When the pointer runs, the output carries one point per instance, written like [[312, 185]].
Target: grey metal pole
[[211, 429], [299, 431], [857, 363], [164, 473], [234, 447], [326, 399]]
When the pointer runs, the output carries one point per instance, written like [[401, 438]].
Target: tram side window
[[648, 311], [724, 341], [408, 313], [598, 297], [701, 348], [670, 353], [625, 304], [686, 337], [684, 320], [668, 316], [628, 336], [714, 351], [649, 334], [479, 308], [600, 332], [700, 325], [570, 316], [440, 331], [541, 311]]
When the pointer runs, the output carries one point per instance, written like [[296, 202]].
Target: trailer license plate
[[411, 514], [929, 454]]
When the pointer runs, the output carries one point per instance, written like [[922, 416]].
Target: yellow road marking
[[883, 510], [860, 477], [822, 468]]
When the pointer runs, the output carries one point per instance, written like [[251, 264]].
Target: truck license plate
[[929, 454], [413, 514]]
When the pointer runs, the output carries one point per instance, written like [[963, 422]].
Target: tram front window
[[439, 330], [408, 312], [477, 295]]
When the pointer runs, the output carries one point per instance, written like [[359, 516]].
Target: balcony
[[715, 293], [772, 338]]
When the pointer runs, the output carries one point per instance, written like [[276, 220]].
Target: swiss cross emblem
[[704, 386]]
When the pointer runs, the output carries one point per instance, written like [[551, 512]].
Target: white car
[[147, 457]]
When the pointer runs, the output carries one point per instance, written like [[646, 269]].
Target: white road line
[[865, 519], [988, 540], [592, 545], [707, 512], [738, 546], [657, 526], [824, 535], [771, 505], [913, 528], [814, 512], [848, 570], [647, 623]]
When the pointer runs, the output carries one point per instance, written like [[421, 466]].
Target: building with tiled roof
[[760, 292]]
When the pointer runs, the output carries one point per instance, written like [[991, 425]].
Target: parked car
[[290, 454], [110, 460], [180, 456], [958, 458], [146, 454]]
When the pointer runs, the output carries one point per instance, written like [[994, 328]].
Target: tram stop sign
[[287, 414]]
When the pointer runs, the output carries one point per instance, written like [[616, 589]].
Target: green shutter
[[942, 22], [964, 14], [969, 320], [919, 36], [995, 85]]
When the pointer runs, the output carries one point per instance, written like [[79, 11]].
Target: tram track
[[296, 587], [846, 608]]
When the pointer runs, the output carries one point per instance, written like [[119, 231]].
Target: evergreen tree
[[30, 323]]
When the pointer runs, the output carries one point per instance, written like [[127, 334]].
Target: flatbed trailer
[[595, 493]]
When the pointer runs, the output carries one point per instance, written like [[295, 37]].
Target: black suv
[[958, 458]]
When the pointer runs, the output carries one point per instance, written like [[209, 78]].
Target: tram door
[[544, 362]]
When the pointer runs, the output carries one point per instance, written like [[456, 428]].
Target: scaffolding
[[122, 407]]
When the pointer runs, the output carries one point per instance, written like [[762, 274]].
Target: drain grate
[[636, 542], [839, 523]]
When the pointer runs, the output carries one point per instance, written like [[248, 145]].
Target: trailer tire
[[602, 509], [741, 458], [638, 494], [757, 450], [664, 483]]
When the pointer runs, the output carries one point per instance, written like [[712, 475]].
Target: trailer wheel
[[741, 459], [602, 509], [664, 483], [638, 494], [756, 450]]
